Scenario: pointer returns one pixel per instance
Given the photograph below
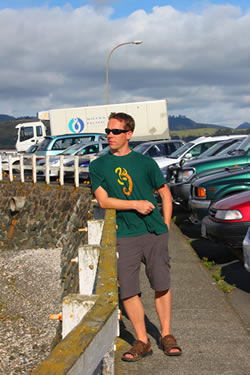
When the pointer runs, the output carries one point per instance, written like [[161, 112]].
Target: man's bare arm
[[167, 205], [142, 206]]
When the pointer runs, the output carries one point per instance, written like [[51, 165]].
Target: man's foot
[[138, 351], [169, 346]]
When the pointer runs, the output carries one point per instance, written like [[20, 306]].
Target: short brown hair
[[129, 122]]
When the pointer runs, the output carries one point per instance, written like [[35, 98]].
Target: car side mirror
[[188, 156]]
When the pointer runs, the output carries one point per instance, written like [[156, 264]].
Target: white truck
[[151, 120]]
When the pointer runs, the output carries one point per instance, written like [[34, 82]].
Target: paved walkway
[[211, 334]]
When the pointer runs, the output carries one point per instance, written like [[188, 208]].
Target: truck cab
[[28, 134]]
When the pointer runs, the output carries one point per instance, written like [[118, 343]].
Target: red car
[[228, 220]]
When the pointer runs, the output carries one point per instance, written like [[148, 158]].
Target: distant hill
[[6, 118], [245, 125], [11, 118], [183, 122]]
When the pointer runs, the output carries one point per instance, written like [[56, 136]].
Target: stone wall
[[51, 214], [50, 217]]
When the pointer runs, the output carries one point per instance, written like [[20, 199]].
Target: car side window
[[177, 145], [89, 150], [196, 150], [172, 147], [201, 147], [155, 150], [62, 144]]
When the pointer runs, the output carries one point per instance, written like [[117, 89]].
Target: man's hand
[[144, 207]]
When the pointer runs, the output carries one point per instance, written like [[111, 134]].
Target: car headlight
[[55, 163], [228, 215], [184, 175]]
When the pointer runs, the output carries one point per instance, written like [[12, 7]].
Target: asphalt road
[[230, 261]]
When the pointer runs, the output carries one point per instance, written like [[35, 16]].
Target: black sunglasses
[[115, 131]]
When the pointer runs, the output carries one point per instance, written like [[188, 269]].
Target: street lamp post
[[107, 64]]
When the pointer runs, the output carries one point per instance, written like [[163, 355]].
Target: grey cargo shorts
[[150, 249]]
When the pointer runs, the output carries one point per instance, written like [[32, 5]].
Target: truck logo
[[76, 125]]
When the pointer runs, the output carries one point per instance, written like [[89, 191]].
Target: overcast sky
[[196, 54]]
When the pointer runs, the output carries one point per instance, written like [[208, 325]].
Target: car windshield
[[229, 148], [43, 145], [73, 149], [211, 151], [244, 145], [31, 149], [141, 148], [180, 151], [218, 148]]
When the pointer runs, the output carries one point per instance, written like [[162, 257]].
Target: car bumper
[[199, 208], [230, 234], [246, 250]]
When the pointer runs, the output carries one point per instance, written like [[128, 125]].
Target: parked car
[[15, 159], [191, 150], [88, 148], [221, 148], [246, 250], [149, 148], [54, 145], [228, 220], [183, 175], [159, 148], [208, 189], [84, 161]]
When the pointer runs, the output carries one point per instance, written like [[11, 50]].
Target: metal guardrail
[[27, 164]]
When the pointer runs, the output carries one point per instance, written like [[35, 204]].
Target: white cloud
[[51, 58]]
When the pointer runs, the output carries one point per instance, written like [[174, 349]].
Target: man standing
[[125, 180]]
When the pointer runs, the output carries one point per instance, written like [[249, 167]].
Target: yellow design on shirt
[[124, 176]]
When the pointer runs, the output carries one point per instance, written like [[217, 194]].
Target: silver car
[[81, 149], [158, 148]]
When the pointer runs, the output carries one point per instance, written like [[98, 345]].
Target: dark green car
[[186, 173], [206, 190]]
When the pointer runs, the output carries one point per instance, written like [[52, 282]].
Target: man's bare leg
[[135, 311], [163, 304]]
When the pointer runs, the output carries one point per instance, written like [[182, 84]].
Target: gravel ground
[[29, 292]]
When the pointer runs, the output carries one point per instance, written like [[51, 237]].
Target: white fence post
[[34, 168], [76, 173], [47, 174], [88, 257], [21, 168], [10, 169], [95, 229], [1, 168], [74, 308], [61, 170]]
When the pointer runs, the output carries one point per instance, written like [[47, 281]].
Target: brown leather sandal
[[138, 351], [169, 343]]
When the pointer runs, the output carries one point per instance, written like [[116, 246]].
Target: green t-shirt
[[133, 176]]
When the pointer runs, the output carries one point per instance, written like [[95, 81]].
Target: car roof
[[73, 135], [162, 141], [215, 138]]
